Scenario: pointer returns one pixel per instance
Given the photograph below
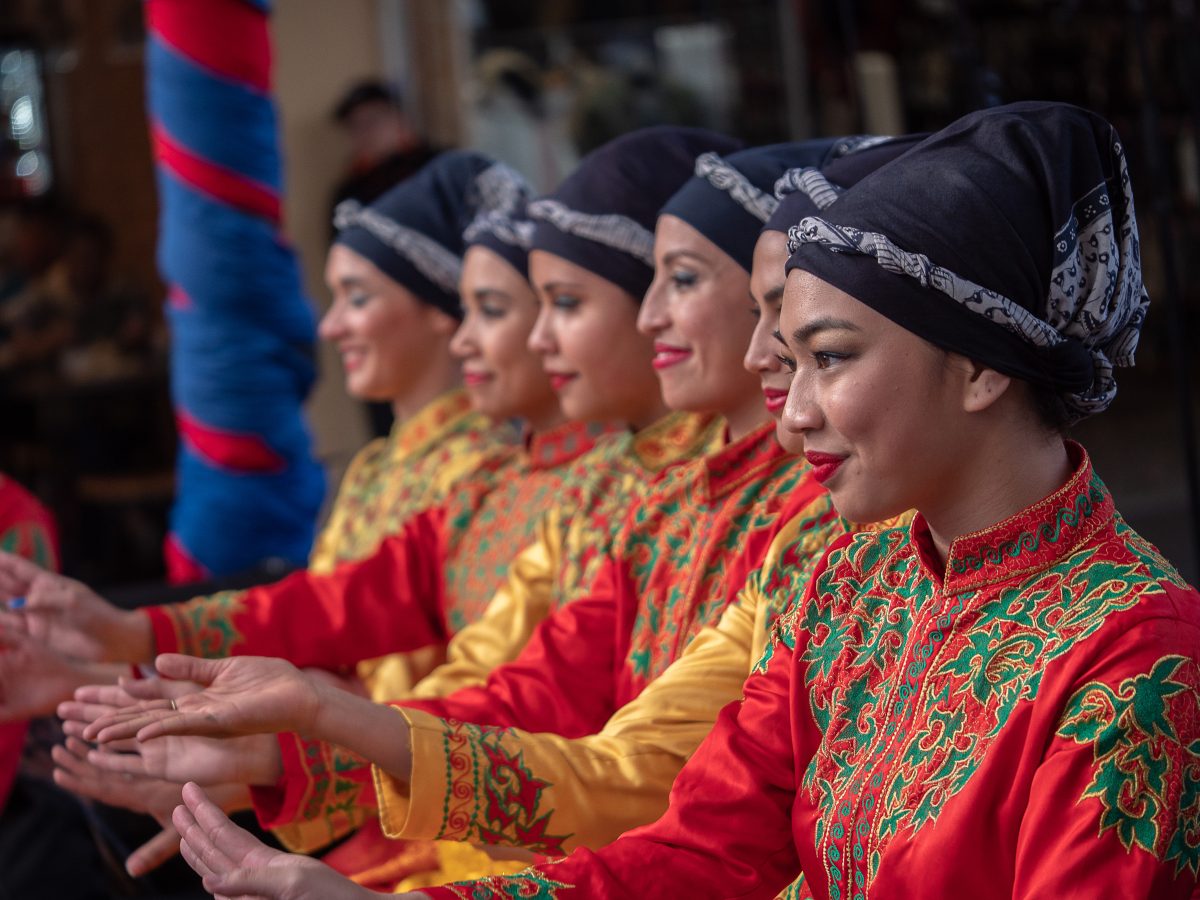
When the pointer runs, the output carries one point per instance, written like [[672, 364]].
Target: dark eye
[[358, 300], [825, 358], [788, 362], [492, 311], [565, 302], [683, 279]]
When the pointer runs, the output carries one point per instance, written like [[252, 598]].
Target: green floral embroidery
[[1146, 747]]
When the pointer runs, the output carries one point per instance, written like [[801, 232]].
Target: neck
[[1010, 474], [746, 418], [441, 375], [542, 421], [651, 414]]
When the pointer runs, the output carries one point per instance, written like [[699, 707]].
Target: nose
[[653, 317], [332, 325], [541, 338], [761, 357], [463, 345], [801, 414]]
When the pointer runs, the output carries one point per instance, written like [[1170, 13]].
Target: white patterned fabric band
[[810, 182], [1096, 294], [431, 259], [502, 198], [726, 178], [615, 231]]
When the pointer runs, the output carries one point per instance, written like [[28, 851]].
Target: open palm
[[242, 695]]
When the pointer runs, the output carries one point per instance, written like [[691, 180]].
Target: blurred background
[[367, 89]]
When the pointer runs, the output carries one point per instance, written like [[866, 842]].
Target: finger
[[122, 763], [146, 688], [84, 713], [16, 573], [12, 621], [188, 668], [120, 721], [152, 854], [199, 835], [232, 841], [113, 695], [195, 845]]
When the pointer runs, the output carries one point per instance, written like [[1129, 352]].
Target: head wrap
[[602, 216], [808, 190], [414, 232], [503, 225], [730, 197], [1008, 237]]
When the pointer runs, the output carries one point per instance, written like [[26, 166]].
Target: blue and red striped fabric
[[242, 329]]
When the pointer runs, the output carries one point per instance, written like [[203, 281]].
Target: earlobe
[[983, 387]]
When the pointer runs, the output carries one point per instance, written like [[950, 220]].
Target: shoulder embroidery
[[1145, 740]]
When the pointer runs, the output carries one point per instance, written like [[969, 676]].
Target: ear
[[981, 386]]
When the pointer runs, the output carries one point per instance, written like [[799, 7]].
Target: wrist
[[133, 639]]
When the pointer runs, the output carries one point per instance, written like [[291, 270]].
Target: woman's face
[[762, 359], [878, 409], [502, 375], [387, 338], [586, 334], [695, 313]]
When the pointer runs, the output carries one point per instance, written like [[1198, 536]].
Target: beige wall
[[320, 49]]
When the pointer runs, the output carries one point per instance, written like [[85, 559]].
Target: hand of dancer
[[34, 677], [151, 796], [240, 696], [233, 863], [69, 616], [252, 760]]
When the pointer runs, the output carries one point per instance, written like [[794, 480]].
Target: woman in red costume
[[1002, 699]]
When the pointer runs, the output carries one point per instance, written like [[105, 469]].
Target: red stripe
[[177, 298], [216, 181], [227, 36], [245, 453], [182, 568]]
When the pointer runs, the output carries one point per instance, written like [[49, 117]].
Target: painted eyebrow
[[676, 254], [552, 287], [801, 335], [351, 281], [778, 335], [485, 293]]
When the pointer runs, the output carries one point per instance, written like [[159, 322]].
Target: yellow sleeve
[[361, 471], [550, 794], [507, 623]]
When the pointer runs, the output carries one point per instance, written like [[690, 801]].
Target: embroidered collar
[[566, 442], [1032, 540], [677, 436], [743, 460], [430, 423]]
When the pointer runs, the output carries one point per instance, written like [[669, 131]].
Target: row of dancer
[[990, 689]]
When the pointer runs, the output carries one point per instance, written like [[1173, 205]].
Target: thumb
[[188, 668], [152, 854]]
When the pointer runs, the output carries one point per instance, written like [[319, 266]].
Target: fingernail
[[16, 603]]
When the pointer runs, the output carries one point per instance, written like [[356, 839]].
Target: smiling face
[[880, 411], [503, 376], [762, 358], [387, 337], [586, 334], [695, 313]]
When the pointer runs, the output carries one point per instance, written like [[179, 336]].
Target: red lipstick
[[559, 380], [775, 398], [667, 355], [824, 465], [474, 379]]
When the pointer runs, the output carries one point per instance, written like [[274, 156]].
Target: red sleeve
[[727, 832], [391, 602], [562, 682]]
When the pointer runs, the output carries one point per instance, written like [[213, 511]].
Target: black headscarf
[[414, 232], [1023, 215], [602, 216], [808, 190], [729, 198], [504, 226]]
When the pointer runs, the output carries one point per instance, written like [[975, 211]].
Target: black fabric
[[632, 177], [1022, 214], [713, 200], [438, 203], [841, 171]]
